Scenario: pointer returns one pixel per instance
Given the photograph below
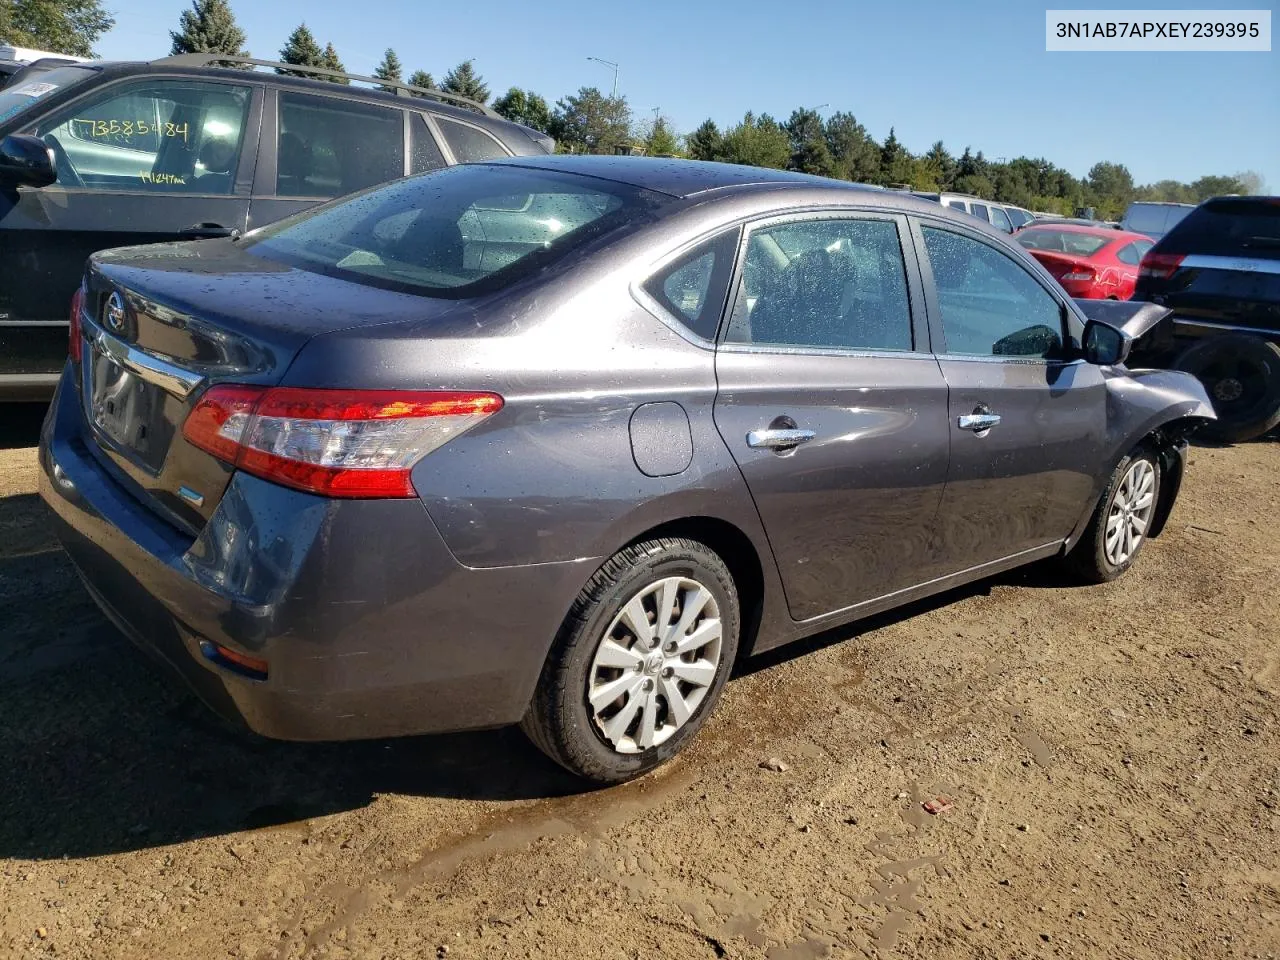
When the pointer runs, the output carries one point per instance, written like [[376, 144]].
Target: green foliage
[[895, 161], [464, 81], [389, 69], [705, 143], [208, 27], [855, 155], [809, 150], [1110, 189], [59, 26], [590, 122], [420, 78], [524, 106], [660, 139], [330, 61], [940, 165], [757, 142], [301, 49]]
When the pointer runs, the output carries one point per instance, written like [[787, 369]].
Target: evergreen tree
[[590, 122], [661, 140], [389, 69], [208, 27], [420, 78], [465, 82], [855, 155], [809, 150], [524, 106], [301, 49], [895, 161], [757, 142], [330, 61], [705, 143], [942, 164]]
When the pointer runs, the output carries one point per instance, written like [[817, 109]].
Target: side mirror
[[26, 162], [1104, 345]]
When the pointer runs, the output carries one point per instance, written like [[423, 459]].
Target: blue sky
[[967, 73]]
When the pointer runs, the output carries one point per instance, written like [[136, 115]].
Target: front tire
[[1118, 528], [639, 663]]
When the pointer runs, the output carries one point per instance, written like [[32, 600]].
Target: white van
[[1154, 219]]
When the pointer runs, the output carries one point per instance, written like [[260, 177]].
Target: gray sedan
[[557, 441]]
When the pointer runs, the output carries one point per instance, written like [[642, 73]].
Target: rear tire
[[1241, 374], [1118, 528], [639, 663]]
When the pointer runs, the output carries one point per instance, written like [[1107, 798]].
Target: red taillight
[[1160, 266], [74, 338], [340, 443]]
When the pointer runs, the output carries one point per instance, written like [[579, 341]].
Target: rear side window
[[991, 306], [163, 136], [458, 232], [328, 147], [693, 287], [1229, 227], [468, 144], [1132, 253], [837, 283], [957, 205], [979, 210]]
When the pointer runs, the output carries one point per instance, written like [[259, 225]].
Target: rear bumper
[[369, 627]]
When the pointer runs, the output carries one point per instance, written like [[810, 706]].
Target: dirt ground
[[1113, 754]]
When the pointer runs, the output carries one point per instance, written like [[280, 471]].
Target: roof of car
[[687, 178], [1111, 233]]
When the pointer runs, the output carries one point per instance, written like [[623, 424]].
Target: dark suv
[[1218, 269], [103, 155]]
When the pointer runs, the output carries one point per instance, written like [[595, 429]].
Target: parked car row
[[106, 154], [1002, 216]]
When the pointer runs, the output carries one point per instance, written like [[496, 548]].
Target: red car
[[1092, 263]]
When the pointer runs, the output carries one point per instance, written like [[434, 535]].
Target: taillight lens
[[339, 443], [74, 338], [1160, 266]]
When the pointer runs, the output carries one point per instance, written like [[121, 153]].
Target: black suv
[[1218, 270], [101, 155]]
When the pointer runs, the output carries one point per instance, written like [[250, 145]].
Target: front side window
[[991, 306], [979, 210], [458, 232], [837, 283], [692, 288], [468, 144], [328, 147], [1001, 219], [165, 136]]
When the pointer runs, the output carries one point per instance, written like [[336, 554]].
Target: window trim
[[921, 344], [268, 165], [1070, 342], [250, 147]]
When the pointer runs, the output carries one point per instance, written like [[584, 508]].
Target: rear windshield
[[23, 91], [457, 232], [1239, 227], [1062, 241]]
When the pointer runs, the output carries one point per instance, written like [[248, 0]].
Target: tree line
[[589, 121]]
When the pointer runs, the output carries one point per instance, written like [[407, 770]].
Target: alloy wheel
[[1130, 513]]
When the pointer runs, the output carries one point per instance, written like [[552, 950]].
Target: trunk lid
[[162, 323]]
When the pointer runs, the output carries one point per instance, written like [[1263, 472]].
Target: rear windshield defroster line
[[461, 232]]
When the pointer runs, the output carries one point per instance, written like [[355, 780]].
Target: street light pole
[[609, 63]]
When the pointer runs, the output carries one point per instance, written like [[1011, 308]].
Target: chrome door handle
[[778, 439], [978, 422]]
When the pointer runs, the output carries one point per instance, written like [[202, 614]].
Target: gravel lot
[[1113, 755]]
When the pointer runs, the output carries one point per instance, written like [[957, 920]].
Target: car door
[[138, 161], [833, 407], [1027, 417], [317, 147]]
